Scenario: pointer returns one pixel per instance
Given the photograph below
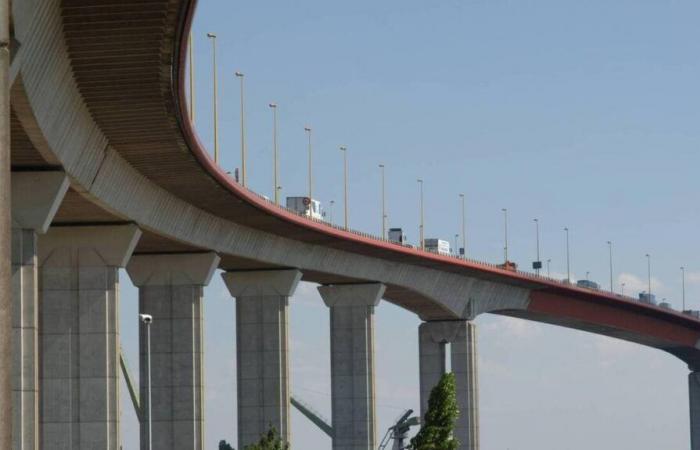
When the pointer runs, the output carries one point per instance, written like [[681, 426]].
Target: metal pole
[[332, 203], [568, 258], [649, 273], [381, 166], [5, 234], [464, 228], [244, 178], [191, 62], [345, 183], [308, 131], [611, 266], [275, 152], [212, 36], [505, 230], [150, 402], [683, 284], [537, 233], [422, 223], [549, 262], [622, 289]]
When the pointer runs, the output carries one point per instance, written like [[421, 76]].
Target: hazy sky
[[582, 114]]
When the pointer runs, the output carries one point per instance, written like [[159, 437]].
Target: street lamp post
[[147, 319], [538, 263], [422, 223], [308, 132], [332, 203], [344, 149], [244, 177], [622, 289], [611, 265], [649, 273], [568, 257], [381, 168], [505, 230], [464, 228], [549, 262], [275, 153], [212, 36], [683, 285], [456, 243]]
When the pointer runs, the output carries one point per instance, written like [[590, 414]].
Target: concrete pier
[[35, 199], [352, 363], [171, 290], [694, 402], [262, 350], [433, 340], [79, 335]]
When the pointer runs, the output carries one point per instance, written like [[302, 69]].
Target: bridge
[[107, 172]]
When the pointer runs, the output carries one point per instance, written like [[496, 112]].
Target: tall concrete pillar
[[36, 197], [352, 363], [433, 340], [262, 350], [171, 290], [79, 335], [694, 400]]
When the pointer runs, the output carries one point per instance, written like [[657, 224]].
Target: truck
[[437, 246], [588, 284], [305, 206], [396, 235]]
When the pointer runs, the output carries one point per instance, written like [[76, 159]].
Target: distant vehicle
[[645, 297], [665, 305], [306, 207], [588, 284], [692, 313], [508, 265], [396, 235], [437, 246]]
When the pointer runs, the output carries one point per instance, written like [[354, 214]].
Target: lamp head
[[211, 35], [146, 318]]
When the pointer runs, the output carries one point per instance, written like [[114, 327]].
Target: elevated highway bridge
[[108, 173]]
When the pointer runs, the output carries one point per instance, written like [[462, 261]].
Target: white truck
[[438, 246], [305, 206]]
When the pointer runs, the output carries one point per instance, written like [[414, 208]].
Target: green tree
[[439, 421], [269, 441], [223, 445]]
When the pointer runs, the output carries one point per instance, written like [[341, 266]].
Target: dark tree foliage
[[269, 441], [223, 445], [439, 421]]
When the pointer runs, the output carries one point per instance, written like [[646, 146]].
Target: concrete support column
[[262, 350], [36, 197], [461, 335], [352, 363], [171, 290], [694, 400], [79, 335]]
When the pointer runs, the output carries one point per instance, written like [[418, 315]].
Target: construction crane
[[399, 431]]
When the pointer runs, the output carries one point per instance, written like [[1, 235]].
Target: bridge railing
[[533, 276]]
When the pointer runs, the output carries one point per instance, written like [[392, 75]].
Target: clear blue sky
[[582, 114]]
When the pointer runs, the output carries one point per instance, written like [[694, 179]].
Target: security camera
[[146, 318]]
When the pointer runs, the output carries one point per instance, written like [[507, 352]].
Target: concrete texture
[[352, 363], [262, 350], [6, 397], [36, 197], [694, 402], [171, 290], [433, 340], [79, 335]]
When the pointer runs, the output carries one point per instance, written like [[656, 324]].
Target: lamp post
[[464, 227], [549, 262], [212, 37], [190, 54], [332, 203], [538, 263], [147, 319], [275, 153], [649, 274], [622, 289], [456, 243], [505, 230], [611, 265], [381, 168], [244, 177], [588, 275], [308, 132], [568, 257], [344, 149], [422, 223], [683, 285]]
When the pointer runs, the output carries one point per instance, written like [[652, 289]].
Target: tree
[[223, 445], [269, 441], [439, 421]]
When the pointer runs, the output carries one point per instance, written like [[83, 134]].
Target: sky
[[580, 114]]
